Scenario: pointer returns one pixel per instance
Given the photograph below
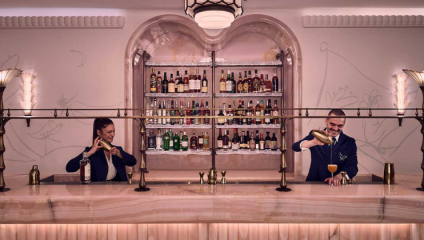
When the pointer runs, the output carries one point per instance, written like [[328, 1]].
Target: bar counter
[[195, 203]]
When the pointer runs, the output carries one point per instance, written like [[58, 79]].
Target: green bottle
[[176, 142], [184, 142], [171, 139], [166, 139]]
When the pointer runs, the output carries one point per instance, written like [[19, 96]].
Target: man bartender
[[344, 151]]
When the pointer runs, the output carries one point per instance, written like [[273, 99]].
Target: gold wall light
[[401, 103], [28, 94]]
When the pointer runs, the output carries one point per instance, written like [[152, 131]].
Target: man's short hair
[[336, 112]]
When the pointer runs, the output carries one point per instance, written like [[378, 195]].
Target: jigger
[[129, 175], [389, 173], [201, 177], [223, 179]]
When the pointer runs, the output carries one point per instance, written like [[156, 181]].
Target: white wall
[[341, 68]]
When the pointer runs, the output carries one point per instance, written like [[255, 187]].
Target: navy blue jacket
[[99, 167], [344, 156]]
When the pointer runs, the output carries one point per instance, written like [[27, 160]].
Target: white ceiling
[[178, 4]]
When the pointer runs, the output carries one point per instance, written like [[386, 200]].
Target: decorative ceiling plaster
[[63, 22], [363, 21]]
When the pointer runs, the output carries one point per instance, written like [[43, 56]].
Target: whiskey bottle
[[158, 83], [233, 84], [222, 84], [192, 82], [257, 140], [229, 139], [171, 84], [240, 111], [243, 145], [207, 113], [256, 82], [245, 83], [198, 82], [275, 114], [206, 141], [165, 83], [268, 112], [202, 112], [275, 82], [267, 141], [228, 83], [235, 145], [180, 83], [243, 114], [273, 142], [153, 81], [204, 83], [85, 169], [261, 142], [252, 142], [186, 83], [262, 88], [219, 140], [200, 141], [250, 82], [225, 141], [193, 141], [249, 113], [221, 120], [230, 115], [258, 113], [240, 84]]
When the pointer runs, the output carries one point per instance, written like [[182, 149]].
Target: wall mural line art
[[8, 63], [342, 97], [83, 57]]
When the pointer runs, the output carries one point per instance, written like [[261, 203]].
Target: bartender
[[105, 165], [344, 151]]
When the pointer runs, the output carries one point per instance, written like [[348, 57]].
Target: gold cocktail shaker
[[322, 136], [105, 145], [389, 173], [34, 176]]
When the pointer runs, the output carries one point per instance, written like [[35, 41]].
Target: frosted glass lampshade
[[28, 93], [7, 75], [214, 19], [416, 75], [401, 94]]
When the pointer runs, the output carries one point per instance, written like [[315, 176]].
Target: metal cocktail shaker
[[105, 145]]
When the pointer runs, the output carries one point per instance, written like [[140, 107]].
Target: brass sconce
[[28, 94], [400, 95]]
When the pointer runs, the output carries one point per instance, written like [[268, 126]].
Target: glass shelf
[[179, 153], [262, 126], [229, 95], [249, 64], [179, 95], [177, 64], [247, 152], [150, 126]]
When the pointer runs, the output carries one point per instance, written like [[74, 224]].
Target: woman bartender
[[105, 166]]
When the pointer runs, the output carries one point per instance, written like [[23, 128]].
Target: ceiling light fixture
[[213, 14]]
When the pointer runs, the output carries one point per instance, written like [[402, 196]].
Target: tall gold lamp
[[400, 94], [5, 77], [28, 94], [419, 78]]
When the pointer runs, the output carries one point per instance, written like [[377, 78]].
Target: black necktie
[[334, 141]]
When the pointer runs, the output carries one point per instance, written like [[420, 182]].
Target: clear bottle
[[182, 113], [166, 139], [172, 113], [167, 113], [200, 141], [153, 81], [151, 141], [222, 83], [261, 142], [184, 142], [85, 169], [220, 140], [171, 84], [206, 141], [204, 83], [252, 142], [159, 120], [155, 112], [159, 141], [149, 112], [275, 114]]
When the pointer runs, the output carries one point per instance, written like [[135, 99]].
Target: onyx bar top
[[195, 203]]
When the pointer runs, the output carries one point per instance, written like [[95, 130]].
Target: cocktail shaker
[[105, 145]]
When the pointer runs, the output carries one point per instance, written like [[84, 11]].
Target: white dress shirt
[[111, 172]]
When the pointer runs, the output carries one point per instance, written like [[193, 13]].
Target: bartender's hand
[[95, 147], [116, 152], [337, 180], [312, 143]]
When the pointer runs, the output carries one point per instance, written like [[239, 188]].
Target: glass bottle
[[182, 113], [257, 140], [275, 82], [249, 113], [267, 141], [85, 169], [268, 84], [193, 112], [198, 81], [200, 141], [184, 142], [273, 142], [222, 85], [228, 83], [158, 83], [262, 112], [242, 139], [275, 113], [204, 83], [235, 144], [233, 84], [219, 140], [262, 88], [256, 82], [252, 142], [250, 82], [258, 113], [207, 113], [177, 143], [261, 142], [172, 113], [240, 84], [167, 113], [166, 141], [193, 141], [240, 113], [159, 141], [192, 82], [197, 111], [188, 113], [186, 83], [171, 84], [171, 139], [221, 120], [268, 112], [180, 83], [151, 141], [202, 112], [229, 139], [165, 83], [206, 141], [230, 116], [160, 114], [247, 140], [153, 81], [149, 112], [245, 83], [243, 113], [175, 85], [225, 141], [155, 113]]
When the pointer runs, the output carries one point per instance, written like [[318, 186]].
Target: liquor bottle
[[267, 141], [207, 113], [206, 141], [256, 82], [155, 113], [247, 140], [273, 142], [261, 142], [172, 113], [268, 84], [166, 139], [149, 112], [197, 111], [240, 84], [258, 113], [262, 88], [165, 83], [262, 112], [175, 85], [243, 113], [182, 122], [192, 82], [228, 82], [184, 142], [186, 83], [242, 140], [268, 112], [200, 141], [202, 112], [275, 114], [188, 113], [252, 142], [193, 112], [177, 143], [160, 114], [229, 139], [235, 145], [230, 115], [233, 84], [250, 82], [167, 113], [221, 120], [159, 141], [151, 141], [171, 84], [225, 141], [224, 111], [85, 169], [249, 113], [222, 84], [193, 141], [153, 81], [198, 81], [275, 82], [204, 83], [180, 83], [219, 140], [257, 140], [171, 139], [240, 113], [245, 83], [158, 83]]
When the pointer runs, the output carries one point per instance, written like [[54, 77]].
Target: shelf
[[179, 153], [177, 64], [229, 95], [179, 126], [262, 126], [179, 95], [247, 152], [249, 64]]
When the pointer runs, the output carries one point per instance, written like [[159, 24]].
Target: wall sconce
[[28, 94], [400, 94]]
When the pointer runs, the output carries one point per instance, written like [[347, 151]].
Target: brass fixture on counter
[[389, 173], [201, 177], [223, 179], [129, 175], [344, 179], [34, 176], [212, 176]]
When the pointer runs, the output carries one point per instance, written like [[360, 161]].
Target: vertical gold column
[[422, 144], [2, 149], [283, 183], [143, 167]]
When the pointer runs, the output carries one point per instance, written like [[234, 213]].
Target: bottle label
[[274, 145], [258, 113], [246, 87], [200, 140], [261, 145], [219, 143], [184, 144], [171, 87], [153, 84], [180, 88], [186, 88], [267, 120], [205, 142], [228, 86], [197, 84], [222, 87], [235, 146], [240, 87], [204, 89], [192, 84], [221, 120], [87, 172]]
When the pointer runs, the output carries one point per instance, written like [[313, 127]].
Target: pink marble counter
[[256, 203]]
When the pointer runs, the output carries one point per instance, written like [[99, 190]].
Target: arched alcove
[[254, 38]]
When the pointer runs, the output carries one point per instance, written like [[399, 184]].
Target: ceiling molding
[[363, 21], [63, 22]]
